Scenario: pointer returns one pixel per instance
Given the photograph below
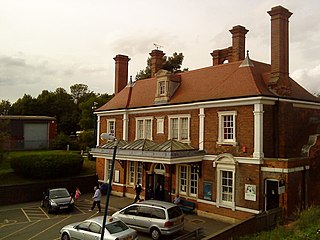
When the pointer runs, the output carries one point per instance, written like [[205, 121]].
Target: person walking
[[77, 195], [138, 190], [96, 199]]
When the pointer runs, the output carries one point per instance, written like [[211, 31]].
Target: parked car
[[154, 217], [91, 229], [57, 199]]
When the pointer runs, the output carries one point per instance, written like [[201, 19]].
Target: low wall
[[260, 222], [12, 194]]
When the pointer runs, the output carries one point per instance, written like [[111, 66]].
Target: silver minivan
[[154, 217]]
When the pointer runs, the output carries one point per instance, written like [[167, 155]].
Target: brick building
[[237, 138], [29, 132]]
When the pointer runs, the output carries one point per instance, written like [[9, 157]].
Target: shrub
[[62, 141], [52, 164]]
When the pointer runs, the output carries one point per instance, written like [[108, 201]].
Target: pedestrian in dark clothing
[[159, 195], [138, 190], [149, 192]]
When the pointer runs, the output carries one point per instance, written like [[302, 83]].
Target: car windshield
[[116, 227], [174, 212], [58, 193]]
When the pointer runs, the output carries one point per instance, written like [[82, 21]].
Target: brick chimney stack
[[121, 72], [156, 61], [279, 79], [238, 42]]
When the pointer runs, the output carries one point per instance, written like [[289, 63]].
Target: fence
[[260, 222], [12, 194]]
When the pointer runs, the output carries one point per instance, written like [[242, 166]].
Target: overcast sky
[[46, 44]]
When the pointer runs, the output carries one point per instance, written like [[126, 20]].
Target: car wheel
[[155, 233], [65, 236]]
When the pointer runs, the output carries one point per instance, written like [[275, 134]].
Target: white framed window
[[227, 127], [193, 182], [107, 169], [135, 172], [226, 186], [162, 88], [188, 181], [183, 179], [160, 125], [226, 183], [144, 128], [111, 126], [139, 172], [179, 127], [131, 173]]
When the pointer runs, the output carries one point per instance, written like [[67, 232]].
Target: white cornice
[[151, 159], [284, 170], [195, 105], [246, 160]]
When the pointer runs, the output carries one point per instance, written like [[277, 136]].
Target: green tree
[[66, 111], [27, 105], [4, 138], [5, 106], [79, 92], [172, 64]]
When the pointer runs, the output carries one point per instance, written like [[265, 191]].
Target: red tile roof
[[211, 83]]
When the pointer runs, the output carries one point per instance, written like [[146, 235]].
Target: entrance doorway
[[156, 183], [272, 194]]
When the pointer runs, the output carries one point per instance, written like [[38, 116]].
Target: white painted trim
[[284, 170], [242, 209], [248, 210], [151, 160], [255, 161], [125, 130], [195, 105], [98, 131], [201, 128], [258, 130], [309, 106]]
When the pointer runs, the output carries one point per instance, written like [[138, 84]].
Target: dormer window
[[162, 88], [167, 84]]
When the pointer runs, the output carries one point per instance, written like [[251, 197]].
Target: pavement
[[192, 220]]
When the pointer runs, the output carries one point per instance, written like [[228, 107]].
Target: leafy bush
[[43, 165], [306, 227], [62, 141]]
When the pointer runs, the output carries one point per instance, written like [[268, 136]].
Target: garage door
[[35, 135]]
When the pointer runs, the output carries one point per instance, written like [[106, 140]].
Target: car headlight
[[53, 203]]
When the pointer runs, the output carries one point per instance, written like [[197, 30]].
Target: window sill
[[227, 143]]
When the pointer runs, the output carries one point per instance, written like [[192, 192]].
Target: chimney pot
[[238, 42], [279, 78], [121, 72], [156, 61]]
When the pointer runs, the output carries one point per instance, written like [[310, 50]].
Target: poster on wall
[[207, 191], [250, 192], [117, 176]]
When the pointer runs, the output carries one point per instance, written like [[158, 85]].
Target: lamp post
[[108, 137], [94, 107]]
